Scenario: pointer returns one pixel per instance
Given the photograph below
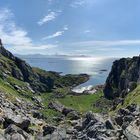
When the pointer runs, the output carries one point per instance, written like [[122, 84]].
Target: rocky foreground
[[30, 96], [21, 120]]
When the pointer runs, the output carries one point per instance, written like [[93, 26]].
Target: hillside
[[39, 105]]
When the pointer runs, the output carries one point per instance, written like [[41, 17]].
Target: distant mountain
[[46, 56]]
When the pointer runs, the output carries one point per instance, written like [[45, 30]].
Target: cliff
[[123, 78], [39, 80]]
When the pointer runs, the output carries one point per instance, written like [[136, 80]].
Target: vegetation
[[82, 103], [133, 97]]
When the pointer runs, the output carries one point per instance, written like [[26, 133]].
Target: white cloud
[[51, 16], [77, 3], [16, 38], [107, 43], [59, 33]]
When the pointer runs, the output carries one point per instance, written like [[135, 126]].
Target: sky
[[101, 28]]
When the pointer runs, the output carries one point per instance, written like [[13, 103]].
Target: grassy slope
[[82, 103], [132, 98]]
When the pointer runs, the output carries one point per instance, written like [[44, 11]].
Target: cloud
[[57, 34], [107, 43], [51, 16], [15, 38], [77, 3]]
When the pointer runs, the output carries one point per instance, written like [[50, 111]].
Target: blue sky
[[103, 28]]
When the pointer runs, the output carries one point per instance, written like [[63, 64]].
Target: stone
[[20, 121], [48, 130], [73, 115], [55, 106], [132, 132], [12, 129], [37, 115], [65, 111], [17, 136], [119, 120], [109, 124]]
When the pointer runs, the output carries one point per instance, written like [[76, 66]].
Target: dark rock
[[56, 106], [18, 120], [124, 111], [119, 120], [65, 111], [37, 115], [109, 124], [132, 107], [123, 77], [11, 130], [73, 115], [128, 118], [48, 130]]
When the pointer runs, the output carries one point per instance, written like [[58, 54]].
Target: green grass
[[82, 103], [133, 97], [6, 88]]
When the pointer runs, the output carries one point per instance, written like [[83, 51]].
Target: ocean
[[97, 68]]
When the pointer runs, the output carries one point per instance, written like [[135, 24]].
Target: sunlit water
[[76, 65]]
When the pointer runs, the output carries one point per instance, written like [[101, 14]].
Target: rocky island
[[37, 104]]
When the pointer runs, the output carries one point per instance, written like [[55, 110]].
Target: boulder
[[65, 111], [109, 124], [15, 132], [73, 115], [37, 115], [19, 120], [56, 106], [48, 130], [132, 132]]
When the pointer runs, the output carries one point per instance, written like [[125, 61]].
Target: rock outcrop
[[123, 78], [38, 80]]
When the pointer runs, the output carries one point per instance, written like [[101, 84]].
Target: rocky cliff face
[[39, 80], [123, 78]]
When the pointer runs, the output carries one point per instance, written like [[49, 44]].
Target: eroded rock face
[[124, 75], [39, 80]]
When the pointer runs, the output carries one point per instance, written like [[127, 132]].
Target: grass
[[6, 88], [133, 97], [82, 103]]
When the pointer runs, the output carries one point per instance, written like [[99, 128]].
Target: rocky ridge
[[123, 78], [21, 120]]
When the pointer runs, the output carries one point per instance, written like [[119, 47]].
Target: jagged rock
[[123, 111], [55, 106], [37, 115], [109, 124], [65, 111], [13, 131], [119, 120], [48, 130], [73, 115], [123, 77], [132, 132], [11, 118], [37, 100]]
